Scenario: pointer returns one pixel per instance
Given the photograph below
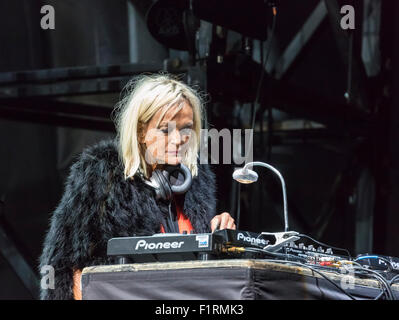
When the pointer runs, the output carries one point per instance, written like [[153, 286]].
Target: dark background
[[338, 155]]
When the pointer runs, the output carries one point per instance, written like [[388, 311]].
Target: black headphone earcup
[[184, 185], [164, 191]]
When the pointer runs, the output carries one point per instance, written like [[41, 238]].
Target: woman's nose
[[175, 137]]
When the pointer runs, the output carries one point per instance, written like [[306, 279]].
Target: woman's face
[[167, 142]]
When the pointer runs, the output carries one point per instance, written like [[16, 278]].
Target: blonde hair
[[144, 96]]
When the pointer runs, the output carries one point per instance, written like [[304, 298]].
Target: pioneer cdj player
[[181, 247], [239, 244], [165, 247], [220, 244]]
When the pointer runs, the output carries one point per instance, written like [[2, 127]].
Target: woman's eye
[[164, 130], [186, 132]]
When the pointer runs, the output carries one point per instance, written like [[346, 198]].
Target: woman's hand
[[223, 221]]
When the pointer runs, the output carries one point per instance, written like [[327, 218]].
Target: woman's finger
[[230, 224], [225, 220], [215, 222]]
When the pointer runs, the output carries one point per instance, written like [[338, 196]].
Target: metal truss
[[32, 95]]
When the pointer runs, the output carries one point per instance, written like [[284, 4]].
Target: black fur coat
[[99, 204]]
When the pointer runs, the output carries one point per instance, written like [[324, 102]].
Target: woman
[[107, 193]]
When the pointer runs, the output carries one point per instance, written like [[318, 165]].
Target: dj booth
[[227, 279]]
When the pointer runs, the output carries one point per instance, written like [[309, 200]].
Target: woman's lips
[[174, 153]]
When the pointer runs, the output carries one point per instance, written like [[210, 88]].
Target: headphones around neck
[[170, 180]]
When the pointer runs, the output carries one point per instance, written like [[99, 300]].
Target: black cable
[[275, 254], [318, 272], [393, 280], [387, 284], [348, 94], [258, 90], [269, 132], [380, 295], [326, 245], [172, 223], [391, 283], [375, 274], [387, 290], [261, 118], [263, 69], [367, 257], [262, 72]]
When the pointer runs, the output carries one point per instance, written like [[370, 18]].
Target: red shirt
[[182, 220]]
